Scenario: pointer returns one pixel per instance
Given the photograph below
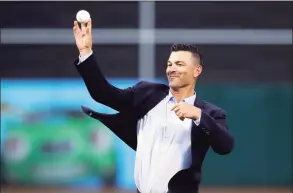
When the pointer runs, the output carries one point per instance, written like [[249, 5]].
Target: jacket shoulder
[[213, 108], [141, 85]]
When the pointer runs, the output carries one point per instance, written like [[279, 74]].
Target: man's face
[[182, 69]]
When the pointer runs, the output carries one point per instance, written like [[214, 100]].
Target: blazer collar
[[197, 102]]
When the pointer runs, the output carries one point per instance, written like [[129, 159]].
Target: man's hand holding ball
[[83, 35]]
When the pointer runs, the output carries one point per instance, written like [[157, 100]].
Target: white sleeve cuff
[[197, 121], [83, 58]]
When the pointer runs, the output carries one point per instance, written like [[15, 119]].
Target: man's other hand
[[184, 110]]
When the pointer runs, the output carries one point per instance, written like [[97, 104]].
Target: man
[[170, 128]]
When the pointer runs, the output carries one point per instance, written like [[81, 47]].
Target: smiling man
[[168, 126]]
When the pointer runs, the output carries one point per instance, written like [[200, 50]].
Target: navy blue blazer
[[134, 102]]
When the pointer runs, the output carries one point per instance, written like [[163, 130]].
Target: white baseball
[[83, 16]]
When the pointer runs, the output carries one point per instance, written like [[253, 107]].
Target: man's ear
[[197, 71]]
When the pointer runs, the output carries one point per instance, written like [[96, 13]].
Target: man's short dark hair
[[190, 48]]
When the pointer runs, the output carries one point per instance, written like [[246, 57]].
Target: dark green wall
[[260, 118]]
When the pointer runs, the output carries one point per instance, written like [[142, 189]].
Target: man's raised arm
[[99, 88]]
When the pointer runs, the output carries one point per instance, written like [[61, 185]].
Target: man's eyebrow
[[176, 62]]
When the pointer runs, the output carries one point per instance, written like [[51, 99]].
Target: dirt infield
[[203, 190]]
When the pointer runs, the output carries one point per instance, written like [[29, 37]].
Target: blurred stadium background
[[48, 145]]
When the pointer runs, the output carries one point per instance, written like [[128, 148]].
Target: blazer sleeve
[[100, 89], [222, 142]]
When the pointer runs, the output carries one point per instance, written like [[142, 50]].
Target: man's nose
[[172, 68]]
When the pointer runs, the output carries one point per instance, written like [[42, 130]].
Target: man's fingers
[[181, 118], [177, 113], [89, 26], [83, 28], [175, 106], [76, 28], [177, 109], [180, 115], [88, 32], [75, 23]]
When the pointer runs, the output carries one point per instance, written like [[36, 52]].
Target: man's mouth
[[172, 77]]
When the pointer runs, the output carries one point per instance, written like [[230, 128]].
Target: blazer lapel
[[197, 102], [154, 98]]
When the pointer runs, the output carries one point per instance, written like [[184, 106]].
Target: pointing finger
[[173, 107], [176, 105]]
